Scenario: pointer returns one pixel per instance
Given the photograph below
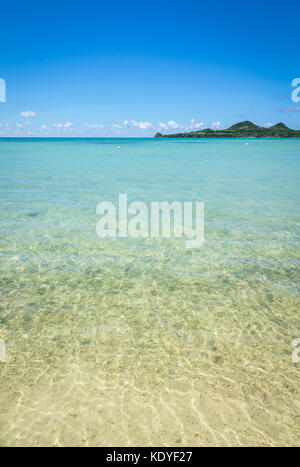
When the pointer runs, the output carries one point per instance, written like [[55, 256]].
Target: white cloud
[[170, 125], [5, 129], [116, 126], [268, 124], [93, 126], [140, 125], [44, 128], [66, 125], [132, 124], [145, 125], [173, 125], [162, 126], [195, 125], [216, 125], [19, 125], [28, 113]]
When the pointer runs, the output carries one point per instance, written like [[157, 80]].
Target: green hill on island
[[239, 130]]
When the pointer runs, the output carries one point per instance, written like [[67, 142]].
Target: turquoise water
[[140, 341]]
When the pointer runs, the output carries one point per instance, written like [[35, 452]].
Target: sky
[[132, 68]]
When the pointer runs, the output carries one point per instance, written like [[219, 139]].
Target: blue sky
[[131, 68]]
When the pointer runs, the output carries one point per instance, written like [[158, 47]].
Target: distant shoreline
[[239, 130]]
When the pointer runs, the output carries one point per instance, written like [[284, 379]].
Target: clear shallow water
[[142, 342]]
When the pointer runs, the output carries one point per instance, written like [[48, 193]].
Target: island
[[239, 130]]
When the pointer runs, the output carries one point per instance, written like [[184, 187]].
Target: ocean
[[141, 341]]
